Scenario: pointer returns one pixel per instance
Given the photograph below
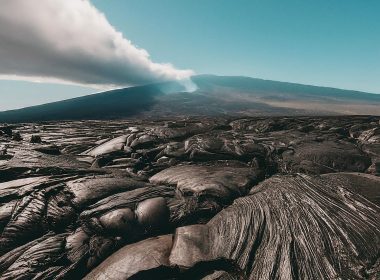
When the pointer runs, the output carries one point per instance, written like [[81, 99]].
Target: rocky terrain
[[191, 198]]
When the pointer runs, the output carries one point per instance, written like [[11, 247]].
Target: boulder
[[153, 214], [35, 139], [147, 259], [116, 144]]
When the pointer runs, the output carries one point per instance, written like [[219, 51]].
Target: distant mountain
[[215, 95]]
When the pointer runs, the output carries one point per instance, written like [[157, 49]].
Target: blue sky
[[324, 42]]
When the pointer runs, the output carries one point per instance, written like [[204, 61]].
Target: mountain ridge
[[215, 95]]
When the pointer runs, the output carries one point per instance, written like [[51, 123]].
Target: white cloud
[[70, 41]]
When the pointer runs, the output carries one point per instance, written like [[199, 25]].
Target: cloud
[[70, 41]]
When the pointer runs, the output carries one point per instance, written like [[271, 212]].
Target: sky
[[70, 48]]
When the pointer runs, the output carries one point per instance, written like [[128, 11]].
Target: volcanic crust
[[191, 198]]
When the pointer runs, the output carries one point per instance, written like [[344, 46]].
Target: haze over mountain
[[215, 95]]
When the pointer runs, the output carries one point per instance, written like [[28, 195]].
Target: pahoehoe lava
[[191, 198]]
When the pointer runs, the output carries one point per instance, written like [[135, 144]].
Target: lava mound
[[191, 198]]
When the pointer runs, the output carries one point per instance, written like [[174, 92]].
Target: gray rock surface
[[191, 198]]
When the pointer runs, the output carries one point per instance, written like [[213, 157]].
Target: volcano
[[214, 96]]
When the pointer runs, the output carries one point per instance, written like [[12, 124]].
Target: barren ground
[[191, 198]]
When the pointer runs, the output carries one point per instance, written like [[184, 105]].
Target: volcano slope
[[191, 198]]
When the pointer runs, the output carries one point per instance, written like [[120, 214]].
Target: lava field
[[191, 198]]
